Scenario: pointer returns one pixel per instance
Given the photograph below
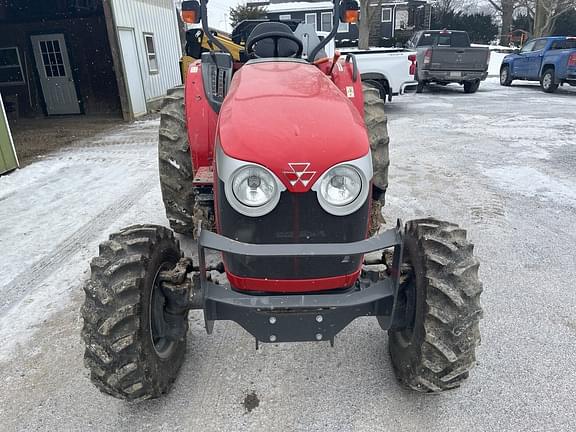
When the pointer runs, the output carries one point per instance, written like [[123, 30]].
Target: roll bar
[[336, 16], [331, 35], [206, 29]]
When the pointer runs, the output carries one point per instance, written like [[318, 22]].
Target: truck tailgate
[[459, 59]]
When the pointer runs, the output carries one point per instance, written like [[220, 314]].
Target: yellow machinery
[[198, 42]]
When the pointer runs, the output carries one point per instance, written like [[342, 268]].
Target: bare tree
[[369, 10], [506, 9], [444, 7], [546, 12]]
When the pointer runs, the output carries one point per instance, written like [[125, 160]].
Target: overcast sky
[[218, 13]]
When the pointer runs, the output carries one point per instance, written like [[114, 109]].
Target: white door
[[55, 74], [132, 73]]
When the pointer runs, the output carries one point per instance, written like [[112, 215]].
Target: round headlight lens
[[253, 186], [341, 185]]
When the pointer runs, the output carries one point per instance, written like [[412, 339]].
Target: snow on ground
[[55, 212], [499, 162], [532, 183]]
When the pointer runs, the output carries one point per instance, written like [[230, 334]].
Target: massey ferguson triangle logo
[[299, 173]]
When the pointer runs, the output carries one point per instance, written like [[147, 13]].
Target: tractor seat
[[265, 48]]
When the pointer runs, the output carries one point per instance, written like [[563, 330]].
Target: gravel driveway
[[501, 163]]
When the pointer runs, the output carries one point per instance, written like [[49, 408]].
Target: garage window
[[151, 53], [387, 15], [11, 72]]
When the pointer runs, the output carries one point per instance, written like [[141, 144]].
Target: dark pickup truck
[[550, 60], [445, 56]]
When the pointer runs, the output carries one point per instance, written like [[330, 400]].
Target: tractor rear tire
[[377, 127], [124, 315], [442, 293], [175, 164]]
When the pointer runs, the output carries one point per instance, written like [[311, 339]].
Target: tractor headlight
[[254, 186], [344, 188], [250, 189], [340, 186]]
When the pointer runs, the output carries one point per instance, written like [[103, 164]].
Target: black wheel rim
[[158, 325]]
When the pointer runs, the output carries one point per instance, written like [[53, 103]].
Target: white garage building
[[66, 57], [149, 41]]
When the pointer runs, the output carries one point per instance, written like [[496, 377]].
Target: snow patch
[[531, 183], [495, 63]]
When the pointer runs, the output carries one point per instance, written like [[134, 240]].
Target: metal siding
[[159, 18], [8, 159]]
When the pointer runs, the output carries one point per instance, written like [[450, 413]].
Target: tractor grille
[[298, 218], [219, 81]]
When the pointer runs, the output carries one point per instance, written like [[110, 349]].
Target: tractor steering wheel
[[275, 36]]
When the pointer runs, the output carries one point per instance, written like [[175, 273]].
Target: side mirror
[[191, 12], [349, 11], [517, 51]]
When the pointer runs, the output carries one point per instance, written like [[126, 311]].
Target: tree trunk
[[544, 20], [507, 20], [364, 25], [539, 17]]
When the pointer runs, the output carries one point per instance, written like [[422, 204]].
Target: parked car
[[550, 60], [391, 70], [445, 56]]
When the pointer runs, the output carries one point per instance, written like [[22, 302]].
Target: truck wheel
[[441, 292], [471, 86], [127, 350], [421, 84], [377, 128], [548, 81], [505, 77], [175, 163]]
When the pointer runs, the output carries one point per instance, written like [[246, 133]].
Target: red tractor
[[279, 165]]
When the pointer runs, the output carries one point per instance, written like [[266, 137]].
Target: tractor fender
[[200, 119], [343, 78]]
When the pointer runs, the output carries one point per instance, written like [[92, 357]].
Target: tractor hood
[[289, 117]]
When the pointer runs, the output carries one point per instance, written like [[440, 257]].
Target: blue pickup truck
[[550, 60]]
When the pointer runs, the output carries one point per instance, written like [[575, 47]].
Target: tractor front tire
[[442, 293], [377, 127], [175, 163], [127, 351]]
